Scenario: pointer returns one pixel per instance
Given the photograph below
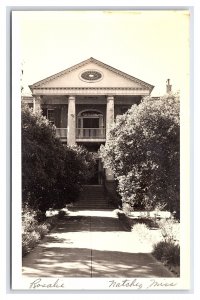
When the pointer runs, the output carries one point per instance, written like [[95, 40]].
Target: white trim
[[90, 109], [62, 91]]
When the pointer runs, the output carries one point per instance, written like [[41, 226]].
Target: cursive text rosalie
[[38, 283]]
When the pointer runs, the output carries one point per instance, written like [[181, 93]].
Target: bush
[[167, 252], [170, 230], [52, 174], [124, 220], [149, 222], [141, 229], [61, 214], [143, 152], [29, 241], [32, 230]]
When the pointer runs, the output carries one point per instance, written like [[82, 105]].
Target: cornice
[[90, 88], [90, 91]]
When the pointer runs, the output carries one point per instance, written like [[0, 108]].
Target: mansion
[[83, 102]]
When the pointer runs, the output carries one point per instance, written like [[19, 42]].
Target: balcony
[[84, 134], [90, 134], [61, 133]]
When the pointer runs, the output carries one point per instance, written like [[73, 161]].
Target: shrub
[[149, 222], [42, 230], [32, 230], [141, 229], [167, 252], [124, 220], [61, 214], [29, 240], [170, 230], [28, 219], [52, 174], [143, 152]]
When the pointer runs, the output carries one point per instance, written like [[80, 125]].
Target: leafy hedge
[[143, 152], [167, 252], [52, 174], [32, 230]]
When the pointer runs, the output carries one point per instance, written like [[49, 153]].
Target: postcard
[[101, 150]]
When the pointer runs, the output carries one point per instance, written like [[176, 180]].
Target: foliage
[[85, 162], [170, 230], [167, 252], [143, 152], [52, 173], [124, 220], [32, 230], [141, 229]]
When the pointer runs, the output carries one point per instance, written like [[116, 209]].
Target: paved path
[[91, 244]]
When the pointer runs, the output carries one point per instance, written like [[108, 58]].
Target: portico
[[83, 101]]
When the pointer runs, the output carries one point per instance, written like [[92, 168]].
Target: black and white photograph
[[101, 170]]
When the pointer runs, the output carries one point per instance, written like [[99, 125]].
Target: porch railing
[[61, 132], [83, 133], [90, 133]]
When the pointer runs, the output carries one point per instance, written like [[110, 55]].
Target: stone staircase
[[92, 197]]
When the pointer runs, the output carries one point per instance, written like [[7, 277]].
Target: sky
[[150, 45]]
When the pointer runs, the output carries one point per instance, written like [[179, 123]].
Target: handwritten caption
[[137, 284], [40, 283]]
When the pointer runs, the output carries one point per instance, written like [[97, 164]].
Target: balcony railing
[[61, 132], [83, 133], [90, 133]]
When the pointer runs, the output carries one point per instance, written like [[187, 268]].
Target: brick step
[[92, 197]]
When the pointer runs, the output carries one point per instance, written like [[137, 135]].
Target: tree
[[143, 152], [52, 174]]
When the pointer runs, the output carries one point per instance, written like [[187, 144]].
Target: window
[[90, 119], [51, 116]]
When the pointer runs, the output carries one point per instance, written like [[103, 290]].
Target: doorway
[[98, 177]]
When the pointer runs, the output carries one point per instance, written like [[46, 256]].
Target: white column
[[109, 113], [109, 122], [36, 103], [71, 121]]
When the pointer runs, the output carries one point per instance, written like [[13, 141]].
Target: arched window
[[90, 125], [90, 119]]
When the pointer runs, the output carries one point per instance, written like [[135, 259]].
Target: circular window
[[91, 75]]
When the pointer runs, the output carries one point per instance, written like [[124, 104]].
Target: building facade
[[83, 102]]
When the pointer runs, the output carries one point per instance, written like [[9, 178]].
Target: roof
[[97, 62]]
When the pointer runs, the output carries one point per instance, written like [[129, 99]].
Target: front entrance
[[99, 172], [97, 178]]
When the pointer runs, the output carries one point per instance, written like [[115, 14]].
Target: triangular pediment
[[92, 73]]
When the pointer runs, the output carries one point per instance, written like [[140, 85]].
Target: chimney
[[168, 86]]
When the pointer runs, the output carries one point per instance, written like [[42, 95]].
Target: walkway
[[91, 244]]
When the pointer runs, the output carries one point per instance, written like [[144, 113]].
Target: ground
[[92, 244]]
